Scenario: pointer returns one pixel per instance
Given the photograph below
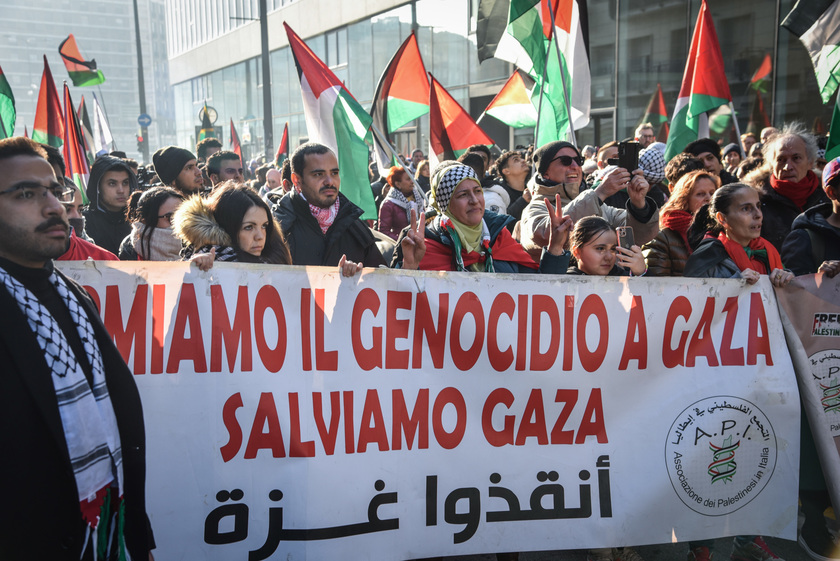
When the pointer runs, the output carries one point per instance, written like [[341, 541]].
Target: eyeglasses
[[567, 160], [36, 191], [168, 216]]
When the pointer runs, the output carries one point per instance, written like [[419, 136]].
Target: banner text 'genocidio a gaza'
[[392, 329]]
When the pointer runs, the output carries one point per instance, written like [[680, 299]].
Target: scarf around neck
[[796, 192], [162, 244], [750, 257], [398, 198], [678, 221], [324, 216]]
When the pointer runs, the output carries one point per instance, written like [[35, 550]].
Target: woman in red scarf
[[668, 252], [732, 246]]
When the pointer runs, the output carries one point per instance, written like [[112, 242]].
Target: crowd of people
[[759, 207]]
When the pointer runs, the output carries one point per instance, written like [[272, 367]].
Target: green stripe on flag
[[352, 125], [700, 103], [401, 112], [826, 71], [516, 116], [49, 139], [86, 77], [683, 132]]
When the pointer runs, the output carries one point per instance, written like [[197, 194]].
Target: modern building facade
[[104, 31], [214, 48]]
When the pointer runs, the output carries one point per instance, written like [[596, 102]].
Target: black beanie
[[169, 161], [703, 145], [545, 153]]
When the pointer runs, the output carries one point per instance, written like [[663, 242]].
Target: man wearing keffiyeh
[[73, 438], [319, 223]]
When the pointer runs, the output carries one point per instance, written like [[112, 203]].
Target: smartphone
[[628, 156], [625, 237]]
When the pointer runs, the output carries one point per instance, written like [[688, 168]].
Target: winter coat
[[645, 222], [711, 261], [106, 228], [82, 250], [496, 198], [666, 254], [348, 235], [779, 211], [797, 251]]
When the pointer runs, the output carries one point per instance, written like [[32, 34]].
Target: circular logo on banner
[[720, 454], [825, 375]]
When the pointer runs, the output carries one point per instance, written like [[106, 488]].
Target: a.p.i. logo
[[720, 454]]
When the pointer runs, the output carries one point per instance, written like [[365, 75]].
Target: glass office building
[[633, 45]]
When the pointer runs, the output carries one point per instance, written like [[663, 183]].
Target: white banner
[[291, 413]]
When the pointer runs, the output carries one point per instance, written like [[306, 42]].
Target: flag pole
[[566, 97], [737, 128], [384, 140]]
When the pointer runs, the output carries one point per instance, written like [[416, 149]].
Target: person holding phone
[[596, 249]]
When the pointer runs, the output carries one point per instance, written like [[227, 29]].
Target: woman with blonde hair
[[668, 252]]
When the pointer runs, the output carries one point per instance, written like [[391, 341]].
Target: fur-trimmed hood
[[194, 223], [759, 177]]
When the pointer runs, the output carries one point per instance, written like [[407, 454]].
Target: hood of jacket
[[100, 166], [815, 218], [194, 223]]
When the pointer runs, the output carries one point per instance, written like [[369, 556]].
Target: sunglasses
[[567, 160]]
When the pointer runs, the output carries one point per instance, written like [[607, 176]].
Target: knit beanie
[[545, 153], [169, 161], [731, 148], [703, 145]]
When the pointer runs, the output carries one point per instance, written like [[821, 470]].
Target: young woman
[[402, 198], [732, 246], [596, 251], [152, 238], [667, 253], [233, 224], [462, 237], [422, 175]]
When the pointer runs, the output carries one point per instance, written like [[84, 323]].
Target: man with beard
[[558, 172], [109, 186], [319, 223], [177, 168], [72, 456]]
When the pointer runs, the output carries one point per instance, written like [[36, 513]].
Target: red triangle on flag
[[318, 76], [49, 125], [75, 160], [235, 145], [451, 129], [704, 69], [763, 70]]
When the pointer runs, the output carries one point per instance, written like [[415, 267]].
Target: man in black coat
[[110, 184], [73, 439], [319, 223]]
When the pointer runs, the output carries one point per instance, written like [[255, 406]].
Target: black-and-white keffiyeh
[[446, 177], [398, 198], [87, 416]]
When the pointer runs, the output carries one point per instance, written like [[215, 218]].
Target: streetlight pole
[[141, 84], [268, 119]]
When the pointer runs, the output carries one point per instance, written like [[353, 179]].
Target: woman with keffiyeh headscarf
[[403, 197], [463, 237]]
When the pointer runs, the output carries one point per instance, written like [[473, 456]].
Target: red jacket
[[81, 250]]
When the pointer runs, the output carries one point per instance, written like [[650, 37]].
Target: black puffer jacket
[[107, 228], [779, 211], [666, 254], [348, 235], [797, 251]]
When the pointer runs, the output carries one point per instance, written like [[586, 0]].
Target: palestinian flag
[[817, 24], [512, 105], [87, 130], [657, 114], [758, 116], [7, 108], [525, 37], [336, 119], [761, 77], [704, 87], [402, 95], [207, 130], [283, 149], [74, 152], [49, 120], [103, 140], [82, 72], [234, 141], [451, 129]]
